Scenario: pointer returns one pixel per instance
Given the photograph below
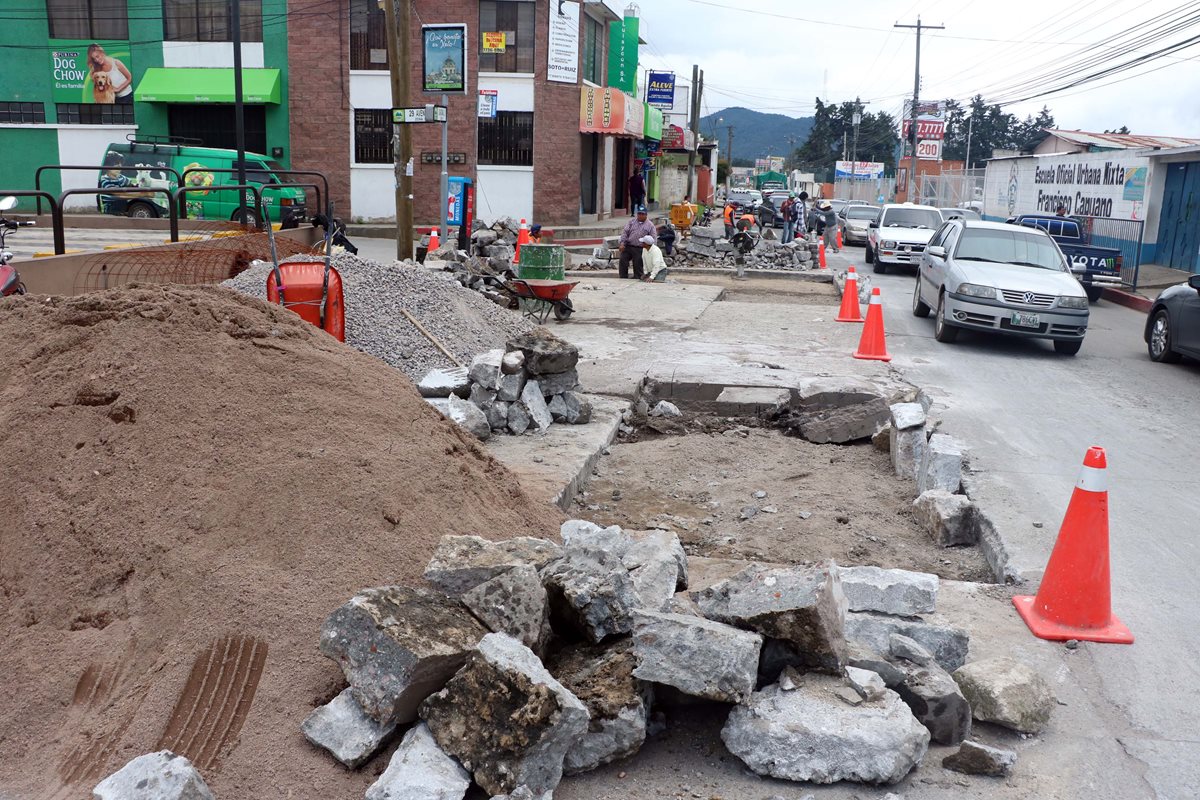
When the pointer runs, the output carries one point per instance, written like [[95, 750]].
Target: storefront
[[649, 153], [615, 120], [200, 103]]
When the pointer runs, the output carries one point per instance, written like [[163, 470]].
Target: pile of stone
[[525, 660], [524, 388], [706, 249]]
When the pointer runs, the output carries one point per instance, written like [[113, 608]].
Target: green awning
[[199, 85], [653, 123]]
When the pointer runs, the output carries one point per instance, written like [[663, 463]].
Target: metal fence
[[1124, 235], [953, 188], [867, 191]]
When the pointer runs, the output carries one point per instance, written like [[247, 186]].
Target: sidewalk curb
[[1129, 300]]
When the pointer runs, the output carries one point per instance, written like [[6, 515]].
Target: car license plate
[[1026, 320]]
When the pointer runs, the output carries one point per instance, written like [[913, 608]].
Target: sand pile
[[464, 321], [191, 480]]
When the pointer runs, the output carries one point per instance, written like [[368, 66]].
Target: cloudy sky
[[777, 55]]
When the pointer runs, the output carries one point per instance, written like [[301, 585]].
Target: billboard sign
[[858, 170], [929, 150], [562, 51], [660, 90], [931, 119], [623, 54], [87, 71], [489, 101], [444, 58], [926, 129]]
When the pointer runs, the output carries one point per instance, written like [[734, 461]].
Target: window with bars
[[88, 19], [373, 136], [13, 112], [516, 19], [507, 140], [209, 20], [95, 114], [594, 54], [368, 35]]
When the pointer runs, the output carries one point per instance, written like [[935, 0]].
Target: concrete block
[[515, 603], [513, 363], [583, 538], [154, 776], [544, 352], [747, 401], [1008, 693], [510, 386], [535, 404], [518, 418], [445, 382], [344, 729], [948, 644], [905, 648], [589, 596], [950, 519], [974, 758], [497, 416], [463, 413], [907, 415], [868, 684], [558, 382], [461, 563], [482, 398], [485, 369], [941, 464], [654, 545], [936, 702], [697, 656], [889, 591], [907, 449], [420, 770], [842, 424], [566, 407]]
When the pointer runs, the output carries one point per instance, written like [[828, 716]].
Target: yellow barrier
[[52, 253]]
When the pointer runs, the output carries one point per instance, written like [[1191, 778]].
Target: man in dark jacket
[[637, 190]]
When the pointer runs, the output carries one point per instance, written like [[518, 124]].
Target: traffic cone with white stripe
[[839, 237], [434, 241], [522, 238], [850, 311], [872, 345], [1074, 600]]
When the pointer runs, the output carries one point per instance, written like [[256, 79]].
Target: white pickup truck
[[900, 235]]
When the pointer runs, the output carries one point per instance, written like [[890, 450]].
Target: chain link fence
[[953, 188], [870, 191]]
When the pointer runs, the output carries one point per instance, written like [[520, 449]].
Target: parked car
[[1173, 325], [841, 205], [856, 221], [1002, 278], [1096, 267], [960, 213], [900, 235], [746, 198]]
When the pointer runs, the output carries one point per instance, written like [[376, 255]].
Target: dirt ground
[[821, 501]]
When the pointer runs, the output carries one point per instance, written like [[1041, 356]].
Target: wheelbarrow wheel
[[563, 309]]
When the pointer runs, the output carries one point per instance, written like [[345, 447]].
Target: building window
[[594, 54], [22, 112], [368, 35], [209, 20], [507, 140], [88, 19], [515, 18], [95, 114], [373, 136]]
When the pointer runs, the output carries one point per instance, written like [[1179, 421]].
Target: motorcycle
[[10, 279]]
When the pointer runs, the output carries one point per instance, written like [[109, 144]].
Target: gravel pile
[[465, 322]]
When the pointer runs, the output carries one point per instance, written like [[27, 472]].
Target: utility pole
[[239, 121], [397, 15], [729, 173], [694, 125], [912, 159], [970, 122], [856, 119]]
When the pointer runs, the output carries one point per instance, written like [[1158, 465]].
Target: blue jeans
[[789, 231]]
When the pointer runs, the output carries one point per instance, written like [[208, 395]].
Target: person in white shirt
[[653, 264]]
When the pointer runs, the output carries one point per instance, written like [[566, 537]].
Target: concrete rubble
[[697, 656], [344, 729], [949, 518], [868, 684], [461, 563], [420, 770], [657, 565], [1008, 693], [889, 591], [506, 718], [154, 776], [975, 758], [398, 645], [467, 415], [444, 382], [907, 439], [947, 644], [941, 464], [936, 702], [591, 596], [812, 733], [515, 603]]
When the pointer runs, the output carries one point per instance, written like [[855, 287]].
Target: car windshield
[[861, 212], [1009, 247], [911, 218]]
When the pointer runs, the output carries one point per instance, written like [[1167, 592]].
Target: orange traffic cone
[[522, 238], [821, 253], [434, 241], [849, 311], [839, 237], [872, 345], [1074, 600]]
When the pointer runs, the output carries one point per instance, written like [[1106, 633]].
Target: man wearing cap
[[631, 245], [831, 226], [652, 260]]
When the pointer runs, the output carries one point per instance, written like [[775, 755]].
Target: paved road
[[1030, 415]]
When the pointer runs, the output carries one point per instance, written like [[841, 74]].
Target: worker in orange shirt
[[730, 208]]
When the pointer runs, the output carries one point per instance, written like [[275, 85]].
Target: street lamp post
[[856, 119]]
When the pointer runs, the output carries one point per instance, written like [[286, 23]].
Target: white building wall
[[1088, 184], [505, 191], [211, 54], [86, 144], [372, 186]]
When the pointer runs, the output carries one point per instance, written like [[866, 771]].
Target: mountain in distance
[[755, 134]]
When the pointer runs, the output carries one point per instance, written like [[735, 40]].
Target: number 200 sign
[[930, 150]]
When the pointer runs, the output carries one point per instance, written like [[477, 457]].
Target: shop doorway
[[1179, 218], [214, 125], [588, 173], [621, 169]]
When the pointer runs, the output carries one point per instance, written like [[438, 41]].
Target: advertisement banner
[[1104, 184], [926, 129], [676, 137], [489, 101], [660, 90], [493, 42], [623, 54], [931, 120], [89, 71], [761, 165], [607, 110], [562, 51], [775, 163], [444, 58], [858, 170]]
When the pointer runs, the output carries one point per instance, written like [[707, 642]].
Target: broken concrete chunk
[[420, 770], [506, 718], [513, 602], [558, 382], [864, 658], [154, 776], [665, 409], [601, 676], [941, 465], [544, 352], [907, 449], [583, 538], [497, 415], [535, 404], [936, 702], [843, 424], [889, 591], [485, 369], [568, 408], [518, 419], [463, 413], [513, 363], [882, 440], [654, 562], [510, 387], [463, 562], [344, 729], [804, 606], [948, 644], [751, 401], [1006, 692], [974, 758], [653, 545], [812, 734], [949, 518], [868, 684], [697, 656], [445, 382], [483, 398], [396, 646], [591, 597], [907, 415], [906, 648]]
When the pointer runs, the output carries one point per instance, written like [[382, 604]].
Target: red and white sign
[[926, 129], [929, 150]]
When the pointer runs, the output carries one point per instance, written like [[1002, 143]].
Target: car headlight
[[975, 290], [889, 245], [1072, 302]]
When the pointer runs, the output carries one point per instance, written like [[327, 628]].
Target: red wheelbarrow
[[537, 298]]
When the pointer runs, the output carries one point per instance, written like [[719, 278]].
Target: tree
[[1124, 129], [833, 125], [817, 153], [722, 171]]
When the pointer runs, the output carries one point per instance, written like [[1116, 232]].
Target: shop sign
[[929, 150], [660, 90], [489, 102], [89, 71], [444, 58], [562, 50], [653, 123], [858, 170], [931, 120], [607, 110], [493, 41], [623, 54]]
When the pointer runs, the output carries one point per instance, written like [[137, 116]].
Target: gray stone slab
[[868, 684], [539, 414], [842, 424], [889, 591], [1008, 693], [907, 415], [461, 563], [907, 449], [751, 401], [950, 519], [510, 386], [463, 413], [975, 758], [544, 352], [941, 464], [154, 776], [948, 644], [445, 382], [936, 702], [344, 729], [485, 369], [590, 596], [584, 538], [558, 382], [697, 656], [515, 603], [420, 770]]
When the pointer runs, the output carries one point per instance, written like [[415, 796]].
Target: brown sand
[[190, 482]]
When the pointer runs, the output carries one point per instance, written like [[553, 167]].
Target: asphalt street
[[1030, 415]]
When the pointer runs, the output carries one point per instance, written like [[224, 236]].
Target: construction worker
[[730, 210]]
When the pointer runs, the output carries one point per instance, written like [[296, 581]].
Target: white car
[[900, 235], [1009, 279]]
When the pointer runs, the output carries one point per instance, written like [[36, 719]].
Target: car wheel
[[880, 267], [942, 330], [870, 256], [919, 307], [141, 210], [1159, 343], [1094, 293], [251, 218], [1067, 348]]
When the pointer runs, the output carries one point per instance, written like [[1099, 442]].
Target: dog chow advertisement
[[87, 71]]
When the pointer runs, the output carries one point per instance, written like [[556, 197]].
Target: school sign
[[1106, 184]]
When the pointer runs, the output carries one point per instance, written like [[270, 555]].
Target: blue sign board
[[660, 89]]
